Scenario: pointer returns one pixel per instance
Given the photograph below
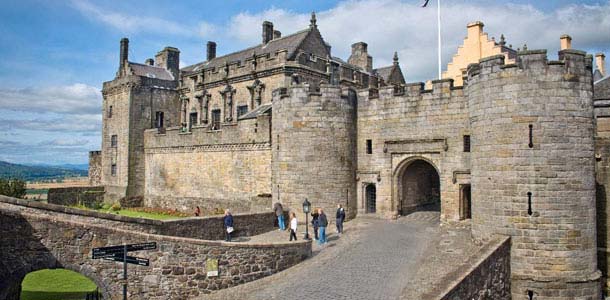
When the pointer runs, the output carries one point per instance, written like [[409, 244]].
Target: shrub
[[12, 187], [115, 207]]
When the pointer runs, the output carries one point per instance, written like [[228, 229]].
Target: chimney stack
[[600, 63], [360, 57], [169, 59], [211, 50], [149, 61], [124, 52], [277, 34], [566, 42], [267, 32]]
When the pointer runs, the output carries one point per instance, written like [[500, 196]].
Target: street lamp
[[306, 209]]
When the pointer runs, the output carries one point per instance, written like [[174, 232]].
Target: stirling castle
[[509, 141]]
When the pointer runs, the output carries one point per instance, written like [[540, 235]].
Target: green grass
[[56, 284], [146, 215]]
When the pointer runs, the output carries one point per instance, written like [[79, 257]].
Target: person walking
[[197, 211], [340, 217], [314, 223], [228, 222], [322, 223], [293, 226], [279, 212]]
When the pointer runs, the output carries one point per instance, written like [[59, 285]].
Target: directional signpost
[[119, 253]]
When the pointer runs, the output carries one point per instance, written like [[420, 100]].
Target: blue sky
[[58, 53]]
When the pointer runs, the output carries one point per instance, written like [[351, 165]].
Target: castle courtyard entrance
[[418, 188], [371, 198]]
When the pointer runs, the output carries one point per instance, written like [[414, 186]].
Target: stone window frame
[[369, 146], [159, 119], [215, 123], [242, 110], [113, 169], [109, 112]]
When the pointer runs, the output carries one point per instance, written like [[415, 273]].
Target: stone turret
[[314, 136], [533, 170]]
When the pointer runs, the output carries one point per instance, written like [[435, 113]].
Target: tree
[[12, 187]]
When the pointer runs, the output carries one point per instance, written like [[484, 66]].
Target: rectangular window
[[113, 141], [113, 170], [110, 112], [466, 143], [242, 110], [192, 120], [159, 119], [216, 119], [369, 146]]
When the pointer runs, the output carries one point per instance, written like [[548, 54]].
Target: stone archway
[[417, 187]]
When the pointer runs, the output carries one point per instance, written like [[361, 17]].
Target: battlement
[[572, 64]]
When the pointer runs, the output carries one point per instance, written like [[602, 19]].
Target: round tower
[[313, 147], [533, 170]]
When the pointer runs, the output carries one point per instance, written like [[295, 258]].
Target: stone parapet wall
[[205, 228], [89, 196], [177, 267], [486, 275], [95, 168]]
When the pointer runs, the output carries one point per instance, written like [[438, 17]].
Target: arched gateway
[[417, 187]]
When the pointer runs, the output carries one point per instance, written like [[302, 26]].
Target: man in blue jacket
[[228, 222], [322, 223]]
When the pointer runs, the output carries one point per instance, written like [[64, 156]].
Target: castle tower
[[314, 136], [533, 170]]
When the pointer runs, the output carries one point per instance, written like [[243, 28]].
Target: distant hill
[[33, 173]]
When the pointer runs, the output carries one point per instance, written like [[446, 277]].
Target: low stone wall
[[89, 196], [205, 228], [485, 275], [31, 241]]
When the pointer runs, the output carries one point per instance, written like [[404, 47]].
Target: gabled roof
[[390, 74], [384, 72], [150, 71], [289, 42]]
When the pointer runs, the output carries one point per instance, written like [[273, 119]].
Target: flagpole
[[439, 37]]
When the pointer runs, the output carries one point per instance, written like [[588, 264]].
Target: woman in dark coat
[[314, 223], [228, 222]]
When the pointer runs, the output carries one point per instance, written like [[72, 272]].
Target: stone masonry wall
[[541, 192], [205, 228], [29, 242], [485, 275], [407, 125], [89, 196], [95, 168], [313, 149], [227, 168]]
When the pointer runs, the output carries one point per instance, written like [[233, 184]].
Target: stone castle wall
[[177, 267], [89, 196], [407, 125], [227, 168], [539, 191], [95, 168], [314, 134]]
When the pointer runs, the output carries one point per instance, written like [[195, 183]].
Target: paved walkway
[[373, 259]]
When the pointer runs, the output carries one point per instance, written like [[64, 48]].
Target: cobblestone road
[[374, 259]]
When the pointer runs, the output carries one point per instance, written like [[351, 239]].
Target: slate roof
[[384, 72], [289, 42], [261, 110], [150, 71]]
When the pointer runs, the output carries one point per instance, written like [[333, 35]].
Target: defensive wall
[[227, 168], [34, 238], [485, 275], [408, 124], [87, 196]]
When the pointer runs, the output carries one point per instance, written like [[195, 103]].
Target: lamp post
[[306, 208]]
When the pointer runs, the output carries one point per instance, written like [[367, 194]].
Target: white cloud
[[65, 123], [403, 26], [72, 99], [64, 143], [130, 23]]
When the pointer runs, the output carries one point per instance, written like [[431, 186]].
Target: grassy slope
[[56, 284]]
